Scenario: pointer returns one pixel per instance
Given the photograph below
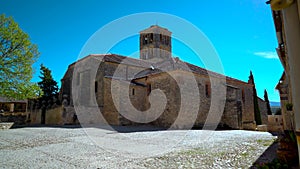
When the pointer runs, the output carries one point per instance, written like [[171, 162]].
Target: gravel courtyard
[[54, 147]]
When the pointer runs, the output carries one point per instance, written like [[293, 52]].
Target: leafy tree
[[267, 102], [48, 84], [17, 55], [255, 101], [278, 111]]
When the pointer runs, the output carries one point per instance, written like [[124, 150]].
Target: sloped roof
[[157, 30], [109, 58], [177, 64], [152, 68], [6, 100]]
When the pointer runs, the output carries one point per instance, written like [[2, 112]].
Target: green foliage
[[17, 54], [47, 84], [255, 101], [278, 112], [267, 102], [289, 106]]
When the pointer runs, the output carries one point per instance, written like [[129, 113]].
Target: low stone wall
[[35, 116], [54, 116], [249, 125], [263, 111], [275, 123], [17, 118]]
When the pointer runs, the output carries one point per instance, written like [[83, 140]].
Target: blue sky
[[241, 31]]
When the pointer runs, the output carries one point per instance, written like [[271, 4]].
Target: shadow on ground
[[268, 156], [121, 129]]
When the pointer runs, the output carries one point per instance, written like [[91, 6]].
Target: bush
[[289, 106], [278, 112]]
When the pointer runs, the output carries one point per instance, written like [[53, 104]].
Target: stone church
[[120, 88]]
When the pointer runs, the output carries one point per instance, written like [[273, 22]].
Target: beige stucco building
[[284, 84]]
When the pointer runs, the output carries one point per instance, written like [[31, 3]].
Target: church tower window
[[155, 43]]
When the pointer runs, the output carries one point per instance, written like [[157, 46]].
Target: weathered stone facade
[[13, 111], [263, 110], [285, 98], [155, 90], [275, 123]]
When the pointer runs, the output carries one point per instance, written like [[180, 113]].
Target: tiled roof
[[126, 60], [157, 29], [154, 68], [109, 58], [6, 100], [176, 64]]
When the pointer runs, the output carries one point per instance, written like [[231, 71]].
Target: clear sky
[[241, 31]]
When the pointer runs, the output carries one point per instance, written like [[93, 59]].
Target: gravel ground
[[46, 147]]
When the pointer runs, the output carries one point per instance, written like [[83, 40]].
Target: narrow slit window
[[148, 89], [96, 86], [207, 90], [243, 95]]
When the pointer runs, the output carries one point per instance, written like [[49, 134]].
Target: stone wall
[[238, 112], [54, 116], [110, 113], [275, 123], [263, 110], [232, 116], [17, 118], [35, 116], [167, 85], [245, 96]]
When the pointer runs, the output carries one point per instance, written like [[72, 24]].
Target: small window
[[207, 90], [151, 37], [148, 89], [276, 120], [96, 86], [243, 95], [132, 92], [167, 40]]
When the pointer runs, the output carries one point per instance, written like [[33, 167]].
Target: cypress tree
[[47, 84], [255, 101], [267, 102]]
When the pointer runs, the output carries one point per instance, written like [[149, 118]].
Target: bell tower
[[155, 44]]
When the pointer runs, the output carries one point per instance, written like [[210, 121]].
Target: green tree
[[266, 97], [47, 84], [255, 101], [17, 55], [278, 111]]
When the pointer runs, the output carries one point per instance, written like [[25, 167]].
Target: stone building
[[263, 110], [119, 89], [13, 110], [284, 84]]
